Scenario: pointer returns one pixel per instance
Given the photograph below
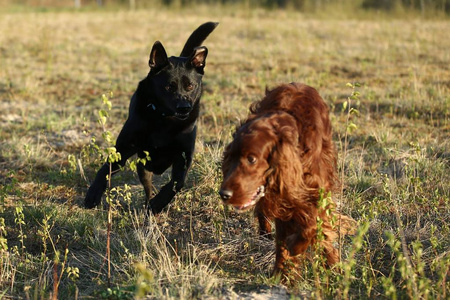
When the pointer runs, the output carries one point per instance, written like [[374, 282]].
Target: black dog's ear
[[198, 58], [158, 56]]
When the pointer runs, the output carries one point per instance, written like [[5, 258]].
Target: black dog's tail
[[197, 37]]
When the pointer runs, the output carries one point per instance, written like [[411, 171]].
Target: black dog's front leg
[[179, 171], [98, 187]]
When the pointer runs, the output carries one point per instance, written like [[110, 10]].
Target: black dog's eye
[[172, 87], [251, 159], [189, 87]]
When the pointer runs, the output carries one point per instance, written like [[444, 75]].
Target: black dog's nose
[[184, 108], [225, 194]]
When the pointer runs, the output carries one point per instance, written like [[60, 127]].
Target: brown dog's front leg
[[281, 256], [281, 252], [265, 228]]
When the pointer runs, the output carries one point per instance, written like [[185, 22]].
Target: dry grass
[[54, 67]]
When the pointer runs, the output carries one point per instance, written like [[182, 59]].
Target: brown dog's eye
[[251, 159]]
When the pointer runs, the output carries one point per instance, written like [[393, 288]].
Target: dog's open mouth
[[181, 116], [259, 193]]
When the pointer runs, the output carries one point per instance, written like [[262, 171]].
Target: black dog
[[162, 121]]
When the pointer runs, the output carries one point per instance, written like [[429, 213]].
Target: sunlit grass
[[54, 68]]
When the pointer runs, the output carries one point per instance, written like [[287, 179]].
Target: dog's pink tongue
[[241, 207]]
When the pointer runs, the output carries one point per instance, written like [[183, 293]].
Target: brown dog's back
[[317, 151]]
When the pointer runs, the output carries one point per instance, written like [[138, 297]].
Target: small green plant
[[350, 127], [146, 281], [115, 196], [348, 267], [3, 252], [352, 111], [4, 191], [116, 293], [19, 219], [112, 157], [323, 276]]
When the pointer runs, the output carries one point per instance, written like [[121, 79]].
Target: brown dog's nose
[[225, 194]]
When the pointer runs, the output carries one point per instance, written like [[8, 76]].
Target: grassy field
[[392, 132]]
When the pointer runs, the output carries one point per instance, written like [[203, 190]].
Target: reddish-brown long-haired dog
[[279, 160]]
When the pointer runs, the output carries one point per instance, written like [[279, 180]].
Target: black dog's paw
[[162, 199], [93, 197], [157, 204], [156, 208]]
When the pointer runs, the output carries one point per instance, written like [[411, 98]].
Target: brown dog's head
[[251, 161]]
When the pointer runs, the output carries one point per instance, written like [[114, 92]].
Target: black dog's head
[[176, 82]]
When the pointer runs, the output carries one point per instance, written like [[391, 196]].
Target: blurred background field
[[424, 7], [57, 59]]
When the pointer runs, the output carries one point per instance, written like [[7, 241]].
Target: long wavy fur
[[296, 126]]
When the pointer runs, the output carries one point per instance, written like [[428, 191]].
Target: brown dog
[[279, 160]]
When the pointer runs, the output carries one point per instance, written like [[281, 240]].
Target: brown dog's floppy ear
[[158, 56], [285, 134], [285, 165], [286, 130], [197, 59]]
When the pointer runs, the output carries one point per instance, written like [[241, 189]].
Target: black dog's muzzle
[[183, 109]]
